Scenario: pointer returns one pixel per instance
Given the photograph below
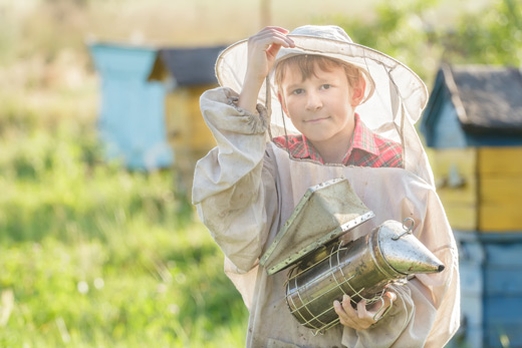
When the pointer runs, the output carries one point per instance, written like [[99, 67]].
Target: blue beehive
[[150, 105], [131, 117], [473, 129], [491, 289]]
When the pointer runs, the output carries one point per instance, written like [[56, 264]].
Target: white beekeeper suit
[[247, 187]]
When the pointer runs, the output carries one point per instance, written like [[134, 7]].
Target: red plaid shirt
[[367, 149]]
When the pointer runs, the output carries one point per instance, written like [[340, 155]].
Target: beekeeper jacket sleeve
[[228, 191]]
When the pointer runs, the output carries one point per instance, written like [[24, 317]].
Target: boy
[[246, 188], [319, 95]]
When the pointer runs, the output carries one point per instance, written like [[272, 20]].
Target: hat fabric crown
[[331, 32]]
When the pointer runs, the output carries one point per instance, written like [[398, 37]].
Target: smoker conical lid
[[404, 252], [325, 212]]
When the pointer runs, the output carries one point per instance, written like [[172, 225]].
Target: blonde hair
[[307, 65]]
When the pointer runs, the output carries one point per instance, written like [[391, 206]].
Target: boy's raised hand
[[262, 51]]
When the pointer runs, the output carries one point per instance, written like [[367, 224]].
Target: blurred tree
[[52, 26], [264, 10], [76, 3], [400, 30], [494, 38]]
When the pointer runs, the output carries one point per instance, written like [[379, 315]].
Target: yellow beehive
[[480, 188], [187, 133], [186, 73], [473, 128]]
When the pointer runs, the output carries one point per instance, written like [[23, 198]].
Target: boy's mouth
[[317, 119]]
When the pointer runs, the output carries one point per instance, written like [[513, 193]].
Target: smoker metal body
[[361, 269]]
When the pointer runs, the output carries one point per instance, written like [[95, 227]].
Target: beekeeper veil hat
[[395, 95]]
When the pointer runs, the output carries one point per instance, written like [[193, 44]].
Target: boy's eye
[[326, 86], [298, 91]]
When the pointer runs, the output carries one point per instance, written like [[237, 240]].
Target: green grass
[[92, 255]]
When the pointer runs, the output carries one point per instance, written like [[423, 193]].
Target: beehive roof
[[187, 66], [487, 98]]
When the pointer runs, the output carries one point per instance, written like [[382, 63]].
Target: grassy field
[[93, 255]]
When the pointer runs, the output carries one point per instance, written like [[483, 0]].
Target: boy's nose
[[313, 102]]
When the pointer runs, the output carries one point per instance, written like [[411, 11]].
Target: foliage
[[402, 30], [494, 38], [399, 30]]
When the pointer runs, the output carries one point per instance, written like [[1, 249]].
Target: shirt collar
[[362, 139]]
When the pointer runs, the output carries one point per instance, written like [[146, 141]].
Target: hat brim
[[392, 111], [394, 81]]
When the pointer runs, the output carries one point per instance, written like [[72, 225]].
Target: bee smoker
[[325, 270], [361, 269]]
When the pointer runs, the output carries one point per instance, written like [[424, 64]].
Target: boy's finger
[[273, 49], [273, 27], [275, 35]]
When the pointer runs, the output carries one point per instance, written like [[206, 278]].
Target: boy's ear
[[358, 91], [282, 102]]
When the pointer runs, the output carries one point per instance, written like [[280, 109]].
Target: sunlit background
[[96, 254]]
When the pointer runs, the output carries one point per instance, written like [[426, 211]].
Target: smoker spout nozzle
[[404, 252]]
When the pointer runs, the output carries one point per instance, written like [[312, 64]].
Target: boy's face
[[321, 107]]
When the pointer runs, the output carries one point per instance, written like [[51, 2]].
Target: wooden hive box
[[132, 112], [186, 73], [473, 129], [481, 188], [491, 289], [150, 116]]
